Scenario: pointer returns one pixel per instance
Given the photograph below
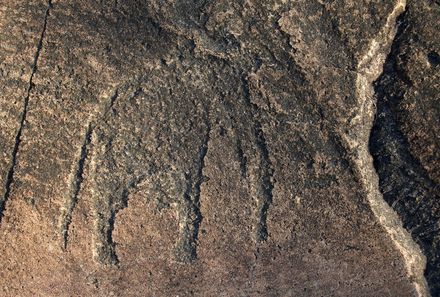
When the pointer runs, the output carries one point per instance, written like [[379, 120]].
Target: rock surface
[[219, 148]]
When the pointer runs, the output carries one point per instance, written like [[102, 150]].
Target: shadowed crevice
[[403, 182]]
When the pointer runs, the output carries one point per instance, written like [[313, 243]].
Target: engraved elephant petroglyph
[[156, 132]]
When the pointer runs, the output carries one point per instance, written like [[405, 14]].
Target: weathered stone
[[211, 148]]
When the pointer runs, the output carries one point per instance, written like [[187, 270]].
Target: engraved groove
[[190, 216], [264, 179], [77, 172], [75, 182], [108, 202]]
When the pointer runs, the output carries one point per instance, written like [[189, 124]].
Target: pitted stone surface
[[218, 148]]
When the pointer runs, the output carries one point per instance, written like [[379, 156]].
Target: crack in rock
[[10, 175]]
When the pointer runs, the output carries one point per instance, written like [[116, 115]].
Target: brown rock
[[202, 148]]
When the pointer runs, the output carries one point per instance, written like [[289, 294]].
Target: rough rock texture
[[405, 142], [219, 148]]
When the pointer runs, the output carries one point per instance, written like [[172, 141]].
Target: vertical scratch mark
[[10, 175], [190, 216], [266, 184], [75, 181], [242, 158], [104, 245], [77, 172], [264, 195]]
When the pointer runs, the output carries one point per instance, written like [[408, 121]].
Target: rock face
[[404, 141], [219, 148]]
